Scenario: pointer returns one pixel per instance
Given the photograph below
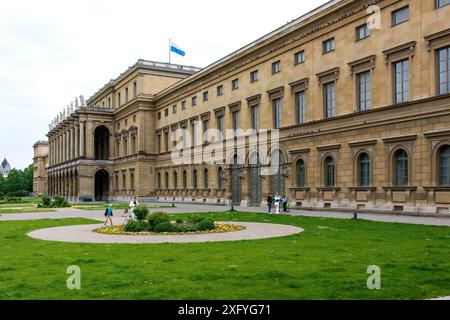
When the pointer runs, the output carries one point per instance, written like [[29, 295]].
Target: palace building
[[359, 92]]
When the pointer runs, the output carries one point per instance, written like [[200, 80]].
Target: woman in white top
[[277, 200], [133, 205]]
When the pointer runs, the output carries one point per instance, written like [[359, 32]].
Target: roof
[[5, 164], [149, 65]]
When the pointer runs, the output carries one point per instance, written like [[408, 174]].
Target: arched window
[[220, 178], [364, 170], [167, 181], [175, 180], [184, 180], [206, 179], [329, 172], [158, 182], [444, 166], [194, 180], [301, 174], [401, 168]]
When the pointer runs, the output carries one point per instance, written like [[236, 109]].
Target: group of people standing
[[280, 203], [126, 215]]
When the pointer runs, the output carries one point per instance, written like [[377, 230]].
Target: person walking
[[277, 203], [270, 202], [285, 204], [126, 217], [133, 205], [109, 215]]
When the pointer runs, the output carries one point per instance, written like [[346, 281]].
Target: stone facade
[[363, 117], [40, 161]]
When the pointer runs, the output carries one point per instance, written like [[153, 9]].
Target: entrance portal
[[101, 185]]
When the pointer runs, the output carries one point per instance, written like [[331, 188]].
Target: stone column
[[76, 148], [69, 144], [89, 140], [64, 147], [82, 139]]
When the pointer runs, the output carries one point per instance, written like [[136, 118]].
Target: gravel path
[[190, 208], [85, 234]]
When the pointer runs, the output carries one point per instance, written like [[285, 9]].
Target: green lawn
[[116, 206], [24, 210], [328, 261]]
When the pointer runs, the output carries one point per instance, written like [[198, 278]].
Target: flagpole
[[170, 51]]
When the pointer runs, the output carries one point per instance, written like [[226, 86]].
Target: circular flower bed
[[119, 230]]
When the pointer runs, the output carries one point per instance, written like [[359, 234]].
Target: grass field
[[328, 261], [115, 206]]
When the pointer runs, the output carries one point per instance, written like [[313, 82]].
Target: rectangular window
[[174, 109], [125, 147], [235, 116], [300, 57], [442, 3], [205, 96], [276, 67], [159, 115], [254, 76], [166, 112], [276, 113], [134, 118], [235, 84], [117, 149], [166, 141], [255, 118], [362, 32], [126, 95], [329, 99], [119, 100], [220, 124], [364, 91], [194, 138], [158, 143], [183, 105], [194, 101], [205, 131], [220, 91], [401, 74], [329, 45], [444, 70], [133, 144], [399, 16], [300, 105], [135, 89]]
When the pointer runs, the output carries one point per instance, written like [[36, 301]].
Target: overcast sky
[[52, 50]]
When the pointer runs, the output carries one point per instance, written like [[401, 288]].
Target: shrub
[[195, 219], [165, 227], [180, 221], [45, 202], [156, 218], [206, 225], [136, 226], [11, 199], [60, 202], [141, 213], [187, 228], [18, 194]]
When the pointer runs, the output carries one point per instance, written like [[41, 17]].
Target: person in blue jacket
[[109, 215]]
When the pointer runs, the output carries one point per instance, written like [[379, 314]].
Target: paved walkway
[[191, 208], [85, 234]]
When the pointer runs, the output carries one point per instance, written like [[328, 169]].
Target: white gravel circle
[[85, 234]]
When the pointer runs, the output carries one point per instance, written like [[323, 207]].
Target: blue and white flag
[[176, 49]]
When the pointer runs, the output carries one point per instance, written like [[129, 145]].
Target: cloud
[[52, 51]]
